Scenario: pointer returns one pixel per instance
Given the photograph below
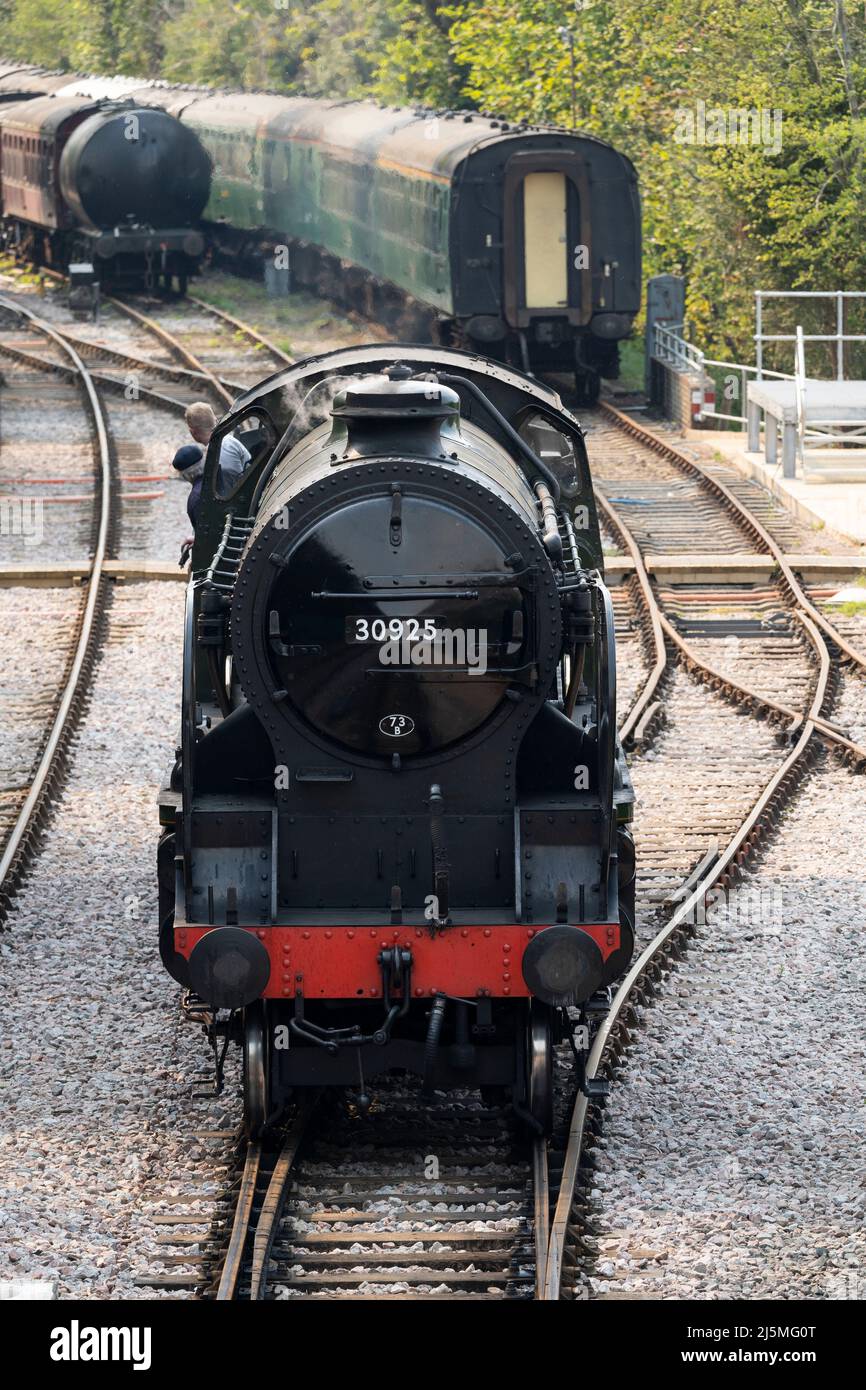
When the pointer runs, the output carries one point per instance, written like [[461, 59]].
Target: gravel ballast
[[97, 1070], [731, 1164]]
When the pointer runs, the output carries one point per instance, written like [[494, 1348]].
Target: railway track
[[190, 368], [675, 520], [22, 836], [804, 722], [341, 1204], [170, 373], [348, 1207], [148, 371]]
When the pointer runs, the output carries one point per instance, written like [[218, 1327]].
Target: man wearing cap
[[189, 464]]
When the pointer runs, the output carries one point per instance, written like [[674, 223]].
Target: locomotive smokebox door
[[83, 290]]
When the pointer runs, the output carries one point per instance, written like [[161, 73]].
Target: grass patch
[[631, 364]]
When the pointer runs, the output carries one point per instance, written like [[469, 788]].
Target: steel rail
[[541, 1207], [245, 328], [231, 1270], [854, 752], [643, 702], [702, 669], [650, 963], [174, 344], [182, 375], [747, 520], [196, 369], [110, 383], [272, 1206], [14, 851], [264, 1229]]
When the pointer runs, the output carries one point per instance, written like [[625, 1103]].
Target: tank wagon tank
[[103, 179]]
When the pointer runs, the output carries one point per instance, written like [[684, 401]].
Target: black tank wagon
[[455, 228], [103, 179]]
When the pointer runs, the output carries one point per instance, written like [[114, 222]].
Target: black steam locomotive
[[106, 181], [396, 832]]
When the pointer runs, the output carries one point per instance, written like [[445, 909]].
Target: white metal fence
[[840, 337], [671, 347]]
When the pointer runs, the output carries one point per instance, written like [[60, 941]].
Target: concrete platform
[[824, 403], [838, 507]]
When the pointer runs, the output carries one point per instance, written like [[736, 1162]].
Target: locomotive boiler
[[396, 834]]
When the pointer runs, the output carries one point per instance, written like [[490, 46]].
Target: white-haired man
[[201, 423]]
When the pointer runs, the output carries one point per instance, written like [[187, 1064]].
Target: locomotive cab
[[396, 836]]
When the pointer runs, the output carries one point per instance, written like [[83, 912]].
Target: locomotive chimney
[[395, 412]]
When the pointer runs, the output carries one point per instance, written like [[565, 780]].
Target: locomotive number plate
[[391, 629]]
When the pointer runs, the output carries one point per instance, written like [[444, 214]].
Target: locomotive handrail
[[187, 741], [394, 591], [606, 705], [551, 539], [520, 444]]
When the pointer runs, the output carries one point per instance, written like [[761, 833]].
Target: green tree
[[35, 31], [731, 216]]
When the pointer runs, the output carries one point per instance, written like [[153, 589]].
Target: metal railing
[[671, 347], [814, 433], [840, 337]]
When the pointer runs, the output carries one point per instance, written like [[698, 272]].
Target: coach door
[[547, 239]]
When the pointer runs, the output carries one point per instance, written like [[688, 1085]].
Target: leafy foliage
[[658, 78]]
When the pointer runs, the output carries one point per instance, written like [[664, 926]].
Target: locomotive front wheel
[[539, 1066], [256, 1069]]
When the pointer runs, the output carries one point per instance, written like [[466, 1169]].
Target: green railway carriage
[[340, 178], [235, 134], [309, 173], [521, 242]]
